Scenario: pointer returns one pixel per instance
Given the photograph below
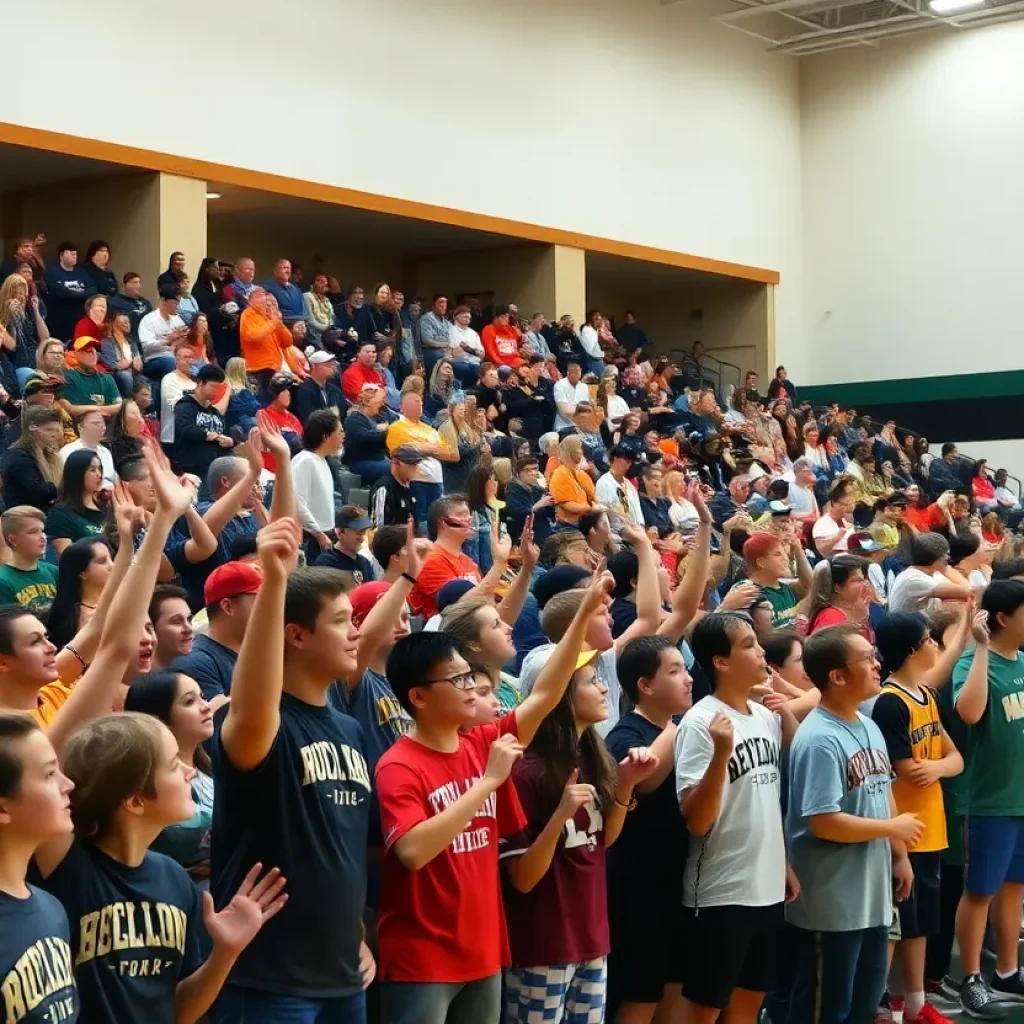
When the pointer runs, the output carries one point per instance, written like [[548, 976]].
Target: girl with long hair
[[613, 404], [120, 352], [31, 468], [575, 799], [78, 511], [366, 451], [461, 435], [200, 339], [21, 322], [387, 329], [84, 568], [50, 358], [130, 783], [839, 594], [129, 433], [442, 386], [482, 497], [177, 701], [243, 403]]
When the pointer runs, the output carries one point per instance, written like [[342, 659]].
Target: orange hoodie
[[263, 341], [501, 344]]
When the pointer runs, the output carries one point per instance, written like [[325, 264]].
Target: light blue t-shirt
[[837, 765]]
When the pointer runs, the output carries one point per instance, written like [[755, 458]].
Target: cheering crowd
[[360, 662]]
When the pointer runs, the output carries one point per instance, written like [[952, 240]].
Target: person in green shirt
[[988, 690], [77, 513], [768, 560], [86, 387], [25, 580]]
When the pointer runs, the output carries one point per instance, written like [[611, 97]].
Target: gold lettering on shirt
[[1013, 706], [324, 761], [117, 928], [41, 971]]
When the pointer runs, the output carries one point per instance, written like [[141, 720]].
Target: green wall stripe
[[917, 389]]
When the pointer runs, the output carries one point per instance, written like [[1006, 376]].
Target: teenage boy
[[199, 436], [988, 688], [391, 500], [728, 781], [767, 558], [443, 808], [351, 524], [645, 866], [844, 837], [172, 622], [26, 580], [928, 579]]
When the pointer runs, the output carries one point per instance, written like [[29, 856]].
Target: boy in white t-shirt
[[728, 779], [929, 579]]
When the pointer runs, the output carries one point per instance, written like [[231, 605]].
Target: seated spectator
[[159, 331], [314, 482], [387, 328], [188, 307], [385, 355], [463, 436], [568, 394], [971, 557], [490, 395], [264, 339], [945, 474], [199, 437], [278, 411], [78, 511], [92, 428], [524, 497], [25, 579], [814, 448], [832, 531], [172, 386], [768, 564], [200, 339], [982, 488], [129, 430], [682, 512], [85, 387], [391, 500], [617, 494], [782, 387], [354, 320], [801, 492], [656, 507], [839, 594], [366, 432], [85, 567], [319, 390], [435, 332], [726, 504], [535, 339], [351, 526], [27, 252], [614, 406], [94, 323], [465, 349], [597, 531], [928, 580], [171, 616], [572, 489], [67, 288], [501, 340], [1005, 498], [171, 277], [443, 386], [130, 300], [120, 354], [21, 322], [362, 372], [289, 298], [410, 429]]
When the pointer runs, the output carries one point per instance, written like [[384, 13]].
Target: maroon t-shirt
[[564, 920]]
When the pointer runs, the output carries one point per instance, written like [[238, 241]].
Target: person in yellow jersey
[[921, 753]]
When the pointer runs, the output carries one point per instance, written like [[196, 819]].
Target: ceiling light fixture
[[953, 6], [213, 195]]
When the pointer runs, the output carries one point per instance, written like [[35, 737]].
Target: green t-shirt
[[995, 754], [33, 589], [783, 600], [89, 388], [62, 522]]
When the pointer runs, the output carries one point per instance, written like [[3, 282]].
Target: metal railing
[[710, 372]]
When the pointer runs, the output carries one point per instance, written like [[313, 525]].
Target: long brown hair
[[49, 462]]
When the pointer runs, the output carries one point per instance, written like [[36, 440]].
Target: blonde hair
[[674, 482], [48, 461], [13, 519], [559, 612], [42, 350], [451, 435], [412, 383], [14, 287], [234, 374], [570, 449], [109, 760], [502, 471], [459, 620]]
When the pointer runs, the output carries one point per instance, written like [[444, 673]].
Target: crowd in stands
[[361, 660]]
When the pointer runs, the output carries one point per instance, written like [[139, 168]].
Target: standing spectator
[[171, 277], [172, 387], [410, 351], [320, 321], [85, 387], [631, 335], [782, 387], [363, 371], [120, 353], [130, 300], [568, 393], [188, 308], [97, 256], [159, 331], [26, 579], [319, 391], [314, 482], [435, 333], [592, 343], [26, 251], [501, 340], [67, 288], [264, 338], [289, 297], [199, 436], [728, 753], [391, 500], [843, 837], [366, 433]]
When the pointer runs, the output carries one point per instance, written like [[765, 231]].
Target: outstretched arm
[[512, 603], [282, 505], [648, 594], [229, 504], [698, 569]]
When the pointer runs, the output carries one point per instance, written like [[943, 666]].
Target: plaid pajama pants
[[564, 993]]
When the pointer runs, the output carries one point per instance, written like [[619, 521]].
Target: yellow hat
[[584, 658]]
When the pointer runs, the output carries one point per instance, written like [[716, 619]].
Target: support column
[[570, 283]]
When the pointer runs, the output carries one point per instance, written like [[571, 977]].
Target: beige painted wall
[[143, 217], [570, 283]]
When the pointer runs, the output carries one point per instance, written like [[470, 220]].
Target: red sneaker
[[928, 1015]]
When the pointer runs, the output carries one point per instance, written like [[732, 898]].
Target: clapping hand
[[575, 795], [172, 496], [271, 436], [128, 517], [255, 903], [636, 766], [277, 545]]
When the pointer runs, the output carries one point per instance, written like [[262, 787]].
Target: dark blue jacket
[[66, 292]]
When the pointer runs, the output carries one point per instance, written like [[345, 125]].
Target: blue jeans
[[371, 470], [423, 496], [247, 1006], [471, 1002], [155, 370], [595, 366], [841, 975]]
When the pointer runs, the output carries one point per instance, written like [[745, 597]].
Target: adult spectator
[[732, 501], [409, 428], [386, 326], [572, 489], [199, 436], [321, 324], [97, 258], [463, 436], [534, 338], [465, 349], [568, 393], [173, 386], [435, 333], [264, 339], [781, 387], [85, 387], [289, 297], [120, 353], [314, 482], [631, 335], [366, 435], [363, 371], [92, 428], [592, 343], [21, 320], [67, 288], [531, 399], [319, 390], [801, 492], [982, 488], [389, 549], [615, 491], [93, 323], [613, 404], [928, 580], [278, 411], [832, 531], [944, 474], [171, 277], [241, 285], [25, 579], [501, 340], [131, 301], [768, 564], [159, 331], [392, 500], [354, 320], [77, 512], [27, 252], [524, 497], [351, 524], [656, 507]]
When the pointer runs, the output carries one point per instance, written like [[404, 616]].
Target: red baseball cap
[[230, 580], [365, 596]]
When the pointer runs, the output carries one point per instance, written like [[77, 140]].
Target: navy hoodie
[[66, 292]]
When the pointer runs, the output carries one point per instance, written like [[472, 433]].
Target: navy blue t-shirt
[[210, 664], [373, 704], [360, 566], [37, 981], [305, 810], [135, 933]]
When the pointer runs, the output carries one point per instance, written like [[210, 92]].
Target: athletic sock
[[913, 1005], [1005, 974]]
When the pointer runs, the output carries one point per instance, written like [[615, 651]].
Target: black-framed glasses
[[463, 681]]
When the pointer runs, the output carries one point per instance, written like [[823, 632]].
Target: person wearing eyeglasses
[[616, 493]]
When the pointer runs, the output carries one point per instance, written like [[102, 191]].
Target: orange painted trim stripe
[[130, 156]]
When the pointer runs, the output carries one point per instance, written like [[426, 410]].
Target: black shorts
[[729, 948], [920, 913], [646, 948]]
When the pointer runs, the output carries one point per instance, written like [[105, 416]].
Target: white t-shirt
[[314, 484], [172, 387], [742, 859], [911, 591], [683, 515], [826, 527], [153, 329], [458, 336], [617, 409], [103, 453], [591, 344], [608, 489], [802, 501], [573, 394]]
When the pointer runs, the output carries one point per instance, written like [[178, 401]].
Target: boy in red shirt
[[444, 804], [501, 340]]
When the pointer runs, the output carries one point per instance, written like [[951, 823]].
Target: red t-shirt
[[564, 918], [353, 379], [924, 518], [439, 568], [445, 922], [286, 421]]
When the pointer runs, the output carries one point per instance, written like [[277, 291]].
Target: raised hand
[[694, 494], [277, 545], [505, 751], [129, 518], [637, 765], [256, 902], [720, 729], [575, 795], [412, 559], [171, 494], [979, 628], [501, 547], [634, 535], [254, 452], [273, 439], [598, 595], [529, 551]]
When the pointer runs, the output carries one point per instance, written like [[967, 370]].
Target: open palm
[[257, 901]]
